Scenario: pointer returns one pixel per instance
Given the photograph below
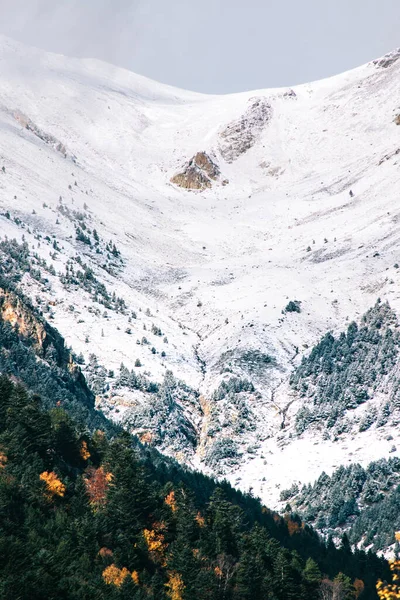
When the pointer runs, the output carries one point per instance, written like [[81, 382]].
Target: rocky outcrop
[[21, 316], [388, 60], [240, 135], [199, 173], [47, 343]]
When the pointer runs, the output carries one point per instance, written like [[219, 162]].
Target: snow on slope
[[214, 269]]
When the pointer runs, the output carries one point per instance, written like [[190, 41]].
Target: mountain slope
[[362, 502], [296, 202], [82, 516]]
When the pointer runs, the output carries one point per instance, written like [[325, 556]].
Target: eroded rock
[[240, 135], [198, 174]]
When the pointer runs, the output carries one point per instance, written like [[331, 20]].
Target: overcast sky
[[214, 46]]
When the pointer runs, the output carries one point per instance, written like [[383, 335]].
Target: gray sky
[[214, 46]]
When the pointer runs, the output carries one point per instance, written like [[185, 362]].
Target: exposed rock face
[[198, 174], [240, 135], [49, 345], [12, 311], [388, 60]]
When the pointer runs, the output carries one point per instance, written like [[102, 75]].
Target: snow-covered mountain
[[217, 237]]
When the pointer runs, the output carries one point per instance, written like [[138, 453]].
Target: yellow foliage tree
[[200, 520], [54, 487], [146, 438], [3, 460], [175, 586], [84, 452], [390, 591], [112, 575], [155, 544], [135, 577]]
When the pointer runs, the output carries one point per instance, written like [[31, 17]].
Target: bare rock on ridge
[[240, 135]]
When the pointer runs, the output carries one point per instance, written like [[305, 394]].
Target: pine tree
[[312, 572]]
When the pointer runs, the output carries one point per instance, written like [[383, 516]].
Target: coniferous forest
[[84, 516]]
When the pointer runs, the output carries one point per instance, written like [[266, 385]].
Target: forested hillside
[[87, 511], [362, 502], [35, 353], [83, 516], [342, 373]]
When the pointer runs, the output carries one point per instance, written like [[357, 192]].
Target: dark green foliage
[[86, 279], [14, 260], [82, 237], [293, 306], [342, 373], [223, 449], [231, 408], [232, 386], [254, 360], [312, 573], [222, 544], [45, 369], [156, 330], [362, 501]]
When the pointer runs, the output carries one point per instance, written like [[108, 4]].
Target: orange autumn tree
[[3, 460], [54, 486], [358, 587], [293, 525], [135, 577], [105, 552], [170, 501], [97, 482]]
